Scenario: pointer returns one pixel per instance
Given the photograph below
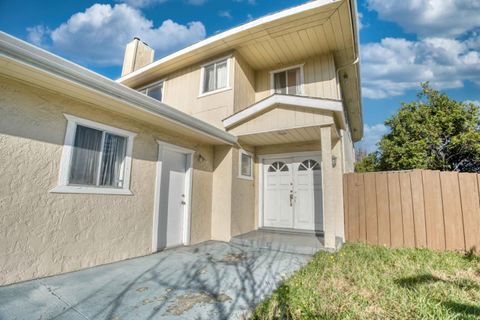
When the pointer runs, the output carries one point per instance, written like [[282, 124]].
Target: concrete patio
[[212, 280], [283, 240]]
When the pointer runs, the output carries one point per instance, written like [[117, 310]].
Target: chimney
[[137, 55]]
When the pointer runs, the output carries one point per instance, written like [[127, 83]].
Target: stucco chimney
[[137, 55]]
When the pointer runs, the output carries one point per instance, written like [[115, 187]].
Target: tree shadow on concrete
[[214, 281]]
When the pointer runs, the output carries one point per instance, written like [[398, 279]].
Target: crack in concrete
[[69, 305]]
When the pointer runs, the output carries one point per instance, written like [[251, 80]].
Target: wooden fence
[[419, 208]]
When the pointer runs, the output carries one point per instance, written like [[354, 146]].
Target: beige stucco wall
[[243, 198], [43, 233], [319, 76], [222, 193]]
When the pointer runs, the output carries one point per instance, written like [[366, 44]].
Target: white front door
[[292, 195], [172, 203]]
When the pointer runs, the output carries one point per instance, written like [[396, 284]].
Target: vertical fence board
[[418, 205], [353, 218], [361, 208], [419, 208], [345, 205], [452, 210], [382, 209], [469, 190], [371, 208], [433, 210], [407, 209], [395, 206]]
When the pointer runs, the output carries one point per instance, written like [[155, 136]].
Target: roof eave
[[21, 52]]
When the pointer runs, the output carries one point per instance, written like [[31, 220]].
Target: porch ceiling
[[282, 136], [291, 136]]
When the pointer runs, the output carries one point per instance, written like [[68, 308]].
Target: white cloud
[[475, 102], [142, 3], [371, 136], [395, 65], [36, 34], [225, 14], [98, 35], [446, 18], [360, 23]]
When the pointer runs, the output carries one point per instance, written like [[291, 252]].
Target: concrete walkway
[[213, 280]]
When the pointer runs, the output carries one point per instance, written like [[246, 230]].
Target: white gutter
[[23, 52]]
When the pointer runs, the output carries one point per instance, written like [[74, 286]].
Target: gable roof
[[314, 28]]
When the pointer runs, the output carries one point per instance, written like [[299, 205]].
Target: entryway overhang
[[281, 119]]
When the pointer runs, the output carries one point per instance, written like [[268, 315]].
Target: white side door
[[308, 213], [172, 204], [278, 197]]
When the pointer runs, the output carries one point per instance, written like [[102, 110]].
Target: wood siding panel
[[381, 183], [470, 197], [452, 209], [395, 206], [354, 219], [371, 208], [433, 210], [319, 78], [407, 210], [362, 223], [418, 206]]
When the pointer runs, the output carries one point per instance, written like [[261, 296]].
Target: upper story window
[[215, 76], [154, 90], [96, 158], [288, 81]]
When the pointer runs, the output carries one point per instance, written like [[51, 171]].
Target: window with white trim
[[154, 90], [215, 76], [245, 165], [288, 81], [96, 158]]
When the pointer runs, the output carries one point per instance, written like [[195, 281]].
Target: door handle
[[291, 199], [183, 202]]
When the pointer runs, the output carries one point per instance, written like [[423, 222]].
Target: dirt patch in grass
[[369, 282]]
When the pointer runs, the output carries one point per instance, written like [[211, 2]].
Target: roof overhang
[[314, 28], [270, 102], [25, 62]]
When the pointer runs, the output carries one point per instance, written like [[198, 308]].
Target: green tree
[[435, 132], [368, 163]]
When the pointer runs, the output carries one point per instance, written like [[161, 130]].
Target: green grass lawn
[[367, 282]]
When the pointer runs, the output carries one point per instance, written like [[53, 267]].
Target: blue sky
[[402, 42]]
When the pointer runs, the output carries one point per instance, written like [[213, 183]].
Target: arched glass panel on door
[[278, 166], [309, 165]]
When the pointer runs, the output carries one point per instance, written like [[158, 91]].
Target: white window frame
[[67, 152], [240, 175], [202, 76], [302, 78], [151, 85]]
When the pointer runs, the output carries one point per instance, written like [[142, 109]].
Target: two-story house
[[249, 129]]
